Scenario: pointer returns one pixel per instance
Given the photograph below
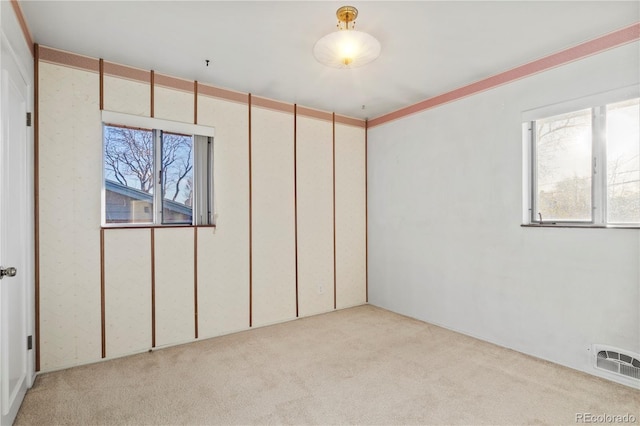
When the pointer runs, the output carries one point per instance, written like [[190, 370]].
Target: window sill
[[149, 226], [568, 225]]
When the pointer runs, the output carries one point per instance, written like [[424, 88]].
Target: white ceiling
[[264, 47]]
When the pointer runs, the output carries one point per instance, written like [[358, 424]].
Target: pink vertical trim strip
[[583, 50]]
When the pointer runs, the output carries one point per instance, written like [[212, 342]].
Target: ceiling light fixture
[[346, 48]]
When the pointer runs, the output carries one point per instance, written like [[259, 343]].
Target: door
[[15, 237]]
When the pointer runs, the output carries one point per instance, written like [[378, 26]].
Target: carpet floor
[[363, 365]]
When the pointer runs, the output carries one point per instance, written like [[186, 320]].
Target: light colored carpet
[[363, 365]]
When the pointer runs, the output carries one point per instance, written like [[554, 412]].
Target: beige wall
[[273, 224], [127, 264], [70, 156], [190, 278], [314, 160], [223, 252], [350, 216], [127, 96]]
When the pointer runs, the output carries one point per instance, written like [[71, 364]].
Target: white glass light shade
[[346, 49]]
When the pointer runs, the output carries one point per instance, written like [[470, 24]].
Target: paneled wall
[[70, 155], [314, 171], [272, 220], [126, 90], [174, 296], [127, 291], [350, 215], [289, 201], [223, 252]]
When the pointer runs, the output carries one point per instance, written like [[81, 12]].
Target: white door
[[15, 235]]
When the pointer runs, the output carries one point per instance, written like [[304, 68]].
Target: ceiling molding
[[608, 41]]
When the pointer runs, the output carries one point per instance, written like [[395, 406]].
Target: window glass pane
[[128, 172], [623, 162], [563, 167], [177, 178]]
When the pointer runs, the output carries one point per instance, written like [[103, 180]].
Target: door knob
[[7, 272]]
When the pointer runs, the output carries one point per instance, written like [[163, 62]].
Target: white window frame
[[597, 103], [203, 136]]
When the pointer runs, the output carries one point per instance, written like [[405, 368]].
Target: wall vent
[[617, 361]]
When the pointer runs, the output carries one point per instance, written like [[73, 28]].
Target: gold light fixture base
[[346, 17], [347, 13]]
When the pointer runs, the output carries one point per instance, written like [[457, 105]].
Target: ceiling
[[265, 47]]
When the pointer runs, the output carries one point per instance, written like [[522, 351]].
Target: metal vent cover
[[617, 361]]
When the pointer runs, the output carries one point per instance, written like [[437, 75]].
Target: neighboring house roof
[[137, 194]]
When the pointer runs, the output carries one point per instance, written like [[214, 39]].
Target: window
[[585, 166], [623, 162], [156, 177]]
